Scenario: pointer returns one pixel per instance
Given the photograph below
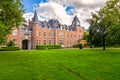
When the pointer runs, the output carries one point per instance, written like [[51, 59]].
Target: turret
[[35, 18], [35, 26], [75, 22]]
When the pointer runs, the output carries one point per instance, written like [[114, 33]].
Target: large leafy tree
[[113, 22], [105, 25], [11, 12]]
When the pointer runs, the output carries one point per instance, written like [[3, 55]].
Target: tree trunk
[[103, 43]]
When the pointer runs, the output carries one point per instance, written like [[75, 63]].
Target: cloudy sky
[[63, 10]]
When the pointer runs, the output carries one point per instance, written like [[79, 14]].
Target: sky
[[62, 10]]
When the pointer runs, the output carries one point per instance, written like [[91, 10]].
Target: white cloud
[[55, 9], [28, 16], [81, 3]]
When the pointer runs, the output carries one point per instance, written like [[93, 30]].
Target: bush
[[10, 44], [76, 46], [42, 47], [80, 46], [116, 46], [10, 49]]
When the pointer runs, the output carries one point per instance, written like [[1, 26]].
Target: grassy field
[[73, 64]]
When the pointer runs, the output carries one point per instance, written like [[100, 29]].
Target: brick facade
[[50, 33]]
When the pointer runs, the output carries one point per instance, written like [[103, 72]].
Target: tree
[[10, 44], [10, 16], [86, 36], [105, 24], [113, 14]]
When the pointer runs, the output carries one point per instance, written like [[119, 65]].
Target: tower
[[35, 18], [75, 22], [35, 28]]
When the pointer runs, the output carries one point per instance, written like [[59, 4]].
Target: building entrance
[[25, 44]]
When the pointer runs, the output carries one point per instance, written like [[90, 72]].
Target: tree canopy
[[10, 16], [105, 25]]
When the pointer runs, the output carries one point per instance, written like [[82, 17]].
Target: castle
[[50, 32]]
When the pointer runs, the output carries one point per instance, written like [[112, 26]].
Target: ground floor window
[[50, 42], [54, 42], [15, 42], [37, 42], [61, 42], [67, 42], [44, 41]]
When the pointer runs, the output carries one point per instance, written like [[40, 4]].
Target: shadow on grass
[[72, 72]]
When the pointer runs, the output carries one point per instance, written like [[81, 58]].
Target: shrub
[[10, 44], [116, 46], [80, 46], [10, 49], [76, 46], [42, 47]]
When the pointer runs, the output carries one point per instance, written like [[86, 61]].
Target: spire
[[75, 18], [35, 18], [75, 21]]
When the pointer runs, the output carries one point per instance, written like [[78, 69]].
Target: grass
[[73, 64]]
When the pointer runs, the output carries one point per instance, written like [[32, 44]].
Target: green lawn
[[73, 64]]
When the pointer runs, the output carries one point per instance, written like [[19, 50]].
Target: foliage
[[10, 44], [42, 47], [80, 46], [76, 46], [10, 16], [10, 48], [105, 25], [48, 65], [86, 35]]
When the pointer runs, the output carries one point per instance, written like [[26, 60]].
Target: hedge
[[42, 47], [10, 49], [76, 46]]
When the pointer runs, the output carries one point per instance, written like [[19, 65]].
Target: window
[[49, 34], [50, 42], [15, 32], [26, 34], [44, 34], [15, 41], [54, 42], [54, 34], [67, 35], [37, 33], [61, 34], [74, 42], [44, 41], [61, 42], [37, 43], [74, 36], [67, 42]]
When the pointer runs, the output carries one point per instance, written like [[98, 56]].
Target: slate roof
[[55, 24], [35, 18], [75, 21]]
